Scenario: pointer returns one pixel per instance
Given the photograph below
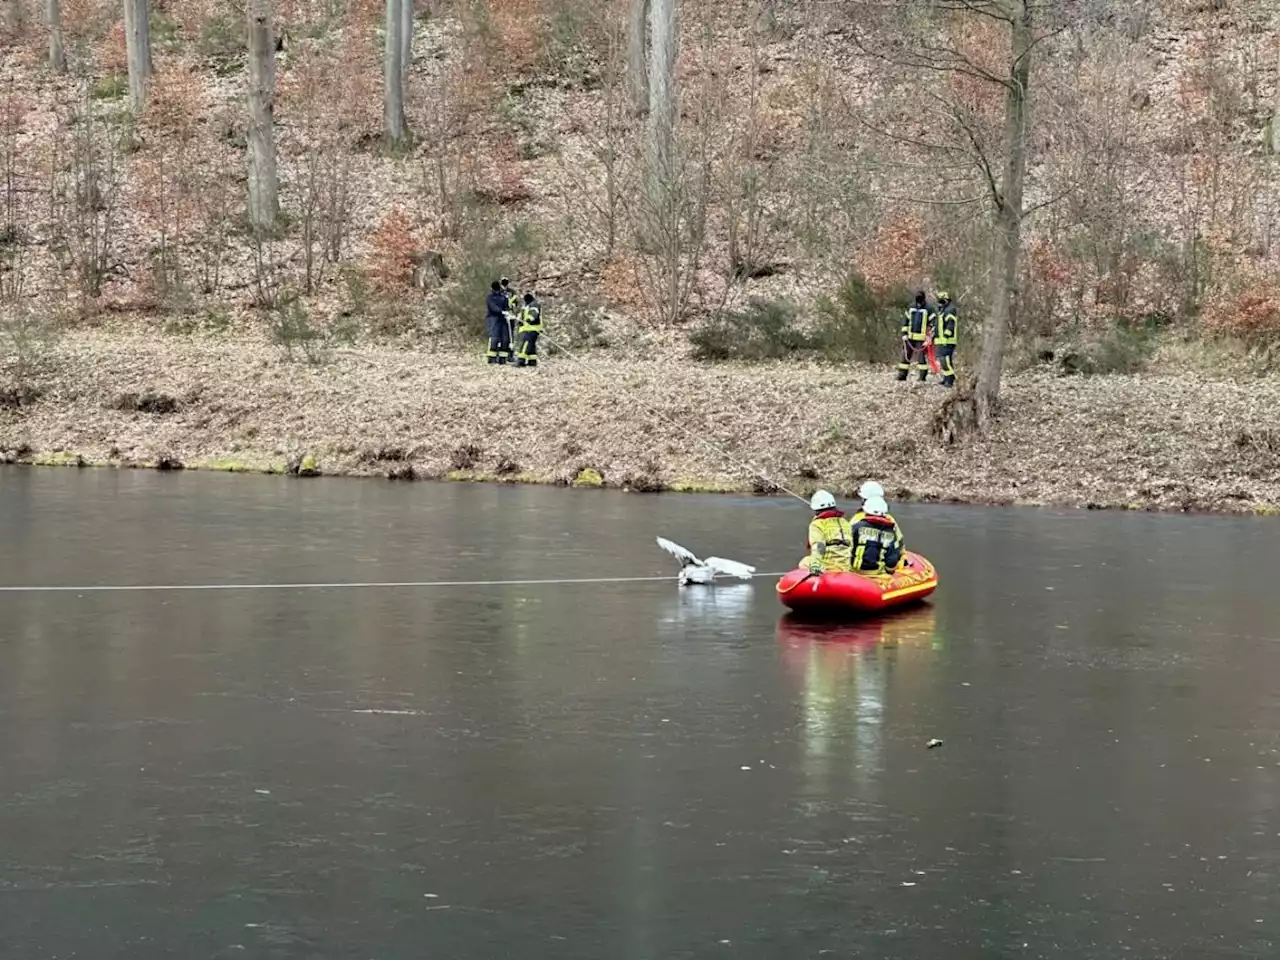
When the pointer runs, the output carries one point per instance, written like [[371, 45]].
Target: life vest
[[877, 544]]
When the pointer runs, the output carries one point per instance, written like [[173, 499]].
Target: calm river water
[[623, 771]]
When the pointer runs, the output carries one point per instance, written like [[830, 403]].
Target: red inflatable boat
[[834, 593]]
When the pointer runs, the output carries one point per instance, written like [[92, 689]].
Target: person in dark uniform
[[529, 327], [915, 330], [495, 306]]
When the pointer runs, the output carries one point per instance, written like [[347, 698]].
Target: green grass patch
[[112, 87]]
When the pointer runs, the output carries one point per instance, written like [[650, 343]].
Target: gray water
[[623, 771]]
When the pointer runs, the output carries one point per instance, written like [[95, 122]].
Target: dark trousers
[[913, 354], [527, 349], [946, 352], [499, 339]]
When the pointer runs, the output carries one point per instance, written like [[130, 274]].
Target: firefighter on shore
[[527, 331], [915, 331], [830, 536], [943, 330], [513, 298], [877, 539], [496, 306]]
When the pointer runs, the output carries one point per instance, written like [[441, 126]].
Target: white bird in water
[[693, 570]]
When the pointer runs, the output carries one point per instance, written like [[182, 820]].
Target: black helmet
[[495, 286], [528, 298], [919, 296]]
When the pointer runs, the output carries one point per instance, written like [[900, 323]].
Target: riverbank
[[1167, 442]]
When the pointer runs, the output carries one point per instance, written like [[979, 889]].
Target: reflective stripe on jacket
[[877, 544], [944, 324], [915, 323], [833, 531], [531, 319]]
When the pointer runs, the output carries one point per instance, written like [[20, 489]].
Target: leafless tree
[[1000, 162], [264, 203], [1275, 107], [13, 19], [664, 106], [137, 39], [397, 43], [53, 21], [637, 68]]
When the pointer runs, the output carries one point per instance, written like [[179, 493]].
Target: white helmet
[[870, 489], [822, 501], [875, 507]]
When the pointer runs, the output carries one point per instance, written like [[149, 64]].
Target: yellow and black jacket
[[877, 544], [831, 531]]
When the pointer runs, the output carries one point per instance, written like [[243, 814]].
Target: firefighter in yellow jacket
[[943, 326], [530, 325], [830, 537]]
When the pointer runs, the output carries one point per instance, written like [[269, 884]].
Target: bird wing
[[731, 568], [679, 552]]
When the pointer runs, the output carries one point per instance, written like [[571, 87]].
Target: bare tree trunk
[[137, 39], [393, 72], [766, 16], [13, 20], [637, 71], [406, 41], [664, 36], [264, 188], [57, 52], [1006, 281], [1275, 113]]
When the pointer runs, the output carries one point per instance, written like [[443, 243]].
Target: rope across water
[[363, 585]]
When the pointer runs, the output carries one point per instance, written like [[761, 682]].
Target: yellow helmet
[[943, 295]]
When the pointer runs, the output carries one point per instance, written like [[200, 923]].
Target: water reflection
[[721, 604], [844, 671]]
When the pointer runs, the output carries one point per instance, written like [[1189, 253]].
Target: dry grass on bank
[[1154, 441]]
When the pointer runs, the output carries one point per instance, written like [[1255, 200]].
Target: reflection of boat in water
[[915, 625], [846, 672]]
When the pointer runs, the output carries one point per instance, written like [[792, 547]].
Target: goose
[[693, 570]]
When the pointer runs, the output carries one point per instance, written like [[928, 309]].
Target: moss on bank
[[62, 458], [1184, 442]]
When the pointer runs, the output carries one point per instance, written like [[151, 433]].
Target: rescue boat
[[851, 593]]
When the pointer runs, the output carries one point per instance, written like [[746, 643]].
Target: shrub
[[222, 41], [763, 330], [574, 325], [1252, 316], [392, 248], [111, 87], [482, 258], [291, 329], [1121, 348], [860, 323], [575, 39]]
